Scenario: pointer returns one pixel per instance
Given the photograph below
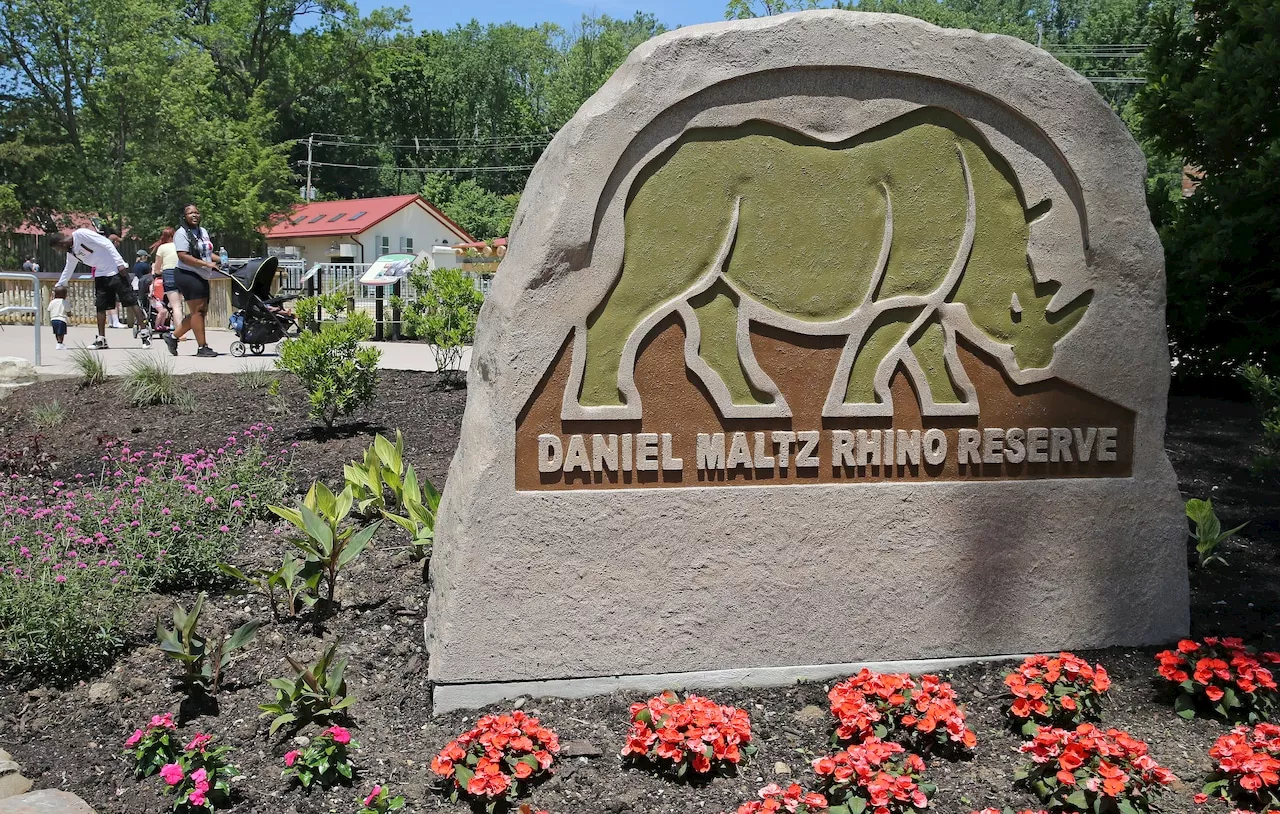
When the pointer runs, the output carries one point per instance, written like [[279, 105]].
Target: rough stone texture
[[45, 802], [15, 370], [530, 585], [11, 785]]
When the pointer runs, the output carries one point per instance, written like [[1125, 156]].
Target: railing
[[34, 309]]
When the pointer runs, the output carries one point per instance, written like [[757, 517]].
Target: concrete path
[[19, 340]]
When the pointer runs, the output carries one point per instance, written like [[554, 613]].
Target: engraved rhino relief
[[900, 238]]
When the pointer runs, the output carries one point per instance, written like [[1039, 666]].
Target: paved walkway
[[19, 340]]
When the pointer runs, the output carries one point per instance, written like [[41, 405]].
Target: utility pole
[[306, 192]]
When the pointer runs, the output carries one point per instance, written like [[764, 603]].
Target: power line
[[510, 168], [418, 143]]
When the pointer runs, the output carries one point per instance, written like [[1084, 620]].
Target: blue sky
[[433, 14]]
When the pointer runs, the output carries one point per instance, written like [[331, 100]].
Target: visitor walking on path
[[109, 286], [164, 267], [113, 315], [58, 316], [196, 264]]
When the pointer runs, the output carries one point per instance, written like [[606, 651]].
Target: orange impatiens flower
[[692, 734], [1060, 690], [1220, 675], [499, 753], [1247, 773], [873, 704], [1096, 763]]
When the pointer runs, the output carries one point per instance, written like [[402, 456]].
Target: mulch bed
[[62, 740]]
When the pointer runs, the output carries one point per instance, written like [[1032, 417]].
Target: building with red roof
[[361, 230]]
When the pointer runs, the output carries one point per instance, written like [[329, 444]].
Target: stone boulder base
[[834, 164], [45, 802]]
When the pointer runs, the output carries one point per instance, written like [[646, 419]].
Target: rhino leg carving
[[718, 320]]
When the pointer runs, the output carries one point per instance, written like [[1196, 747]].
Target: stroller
[[260, 318]]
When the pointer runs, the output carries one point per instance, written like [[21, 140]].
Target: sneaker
[[145, 336], [206, 352], [100, 343], [172, 342], [60, 346]]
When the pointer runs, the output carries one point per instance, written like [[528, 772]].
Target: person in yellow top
[[163, 267]]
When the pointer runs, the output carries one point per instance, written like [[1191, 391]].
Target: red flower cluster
[[1248, 767], [876, 704], [997, 811], [499, 758], [696, 733], [882, 775], [1075, 768], [1224, 673], [792, 799], [1062, 689]]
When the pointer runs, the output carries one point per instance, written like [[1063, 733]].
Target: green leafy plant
[[444, 314], [150, 381], [153, 747], [203, 659], [315, 692], [91, 371], [297, 580], [1208, 532], [325, 539], [382, 470], [306, 309], [1265, 391], [339, 374], [420, 506], [334, 304], [325, 761], [48, 416]]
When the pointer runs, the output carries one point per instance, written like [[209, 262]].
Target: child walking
[[58, 316]]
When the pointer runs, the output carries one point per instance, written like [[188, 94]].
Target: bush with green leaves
[[204, 658], [1265, 391], [326, 538], [381, 472], [1208, 532], [316, 692], [444, 314], [338, 373], [420, 505]]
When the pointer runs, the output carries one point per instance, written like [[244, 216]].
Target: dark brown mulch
[[63, 741]]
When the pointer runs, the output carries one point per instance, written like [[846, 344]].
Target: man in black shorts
[[109, 280]]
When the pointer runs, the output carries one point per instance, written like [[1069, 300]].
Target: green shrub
[[90, 369], [149, 381], [1266, 396], [326, 538], [153, 520], [444, 314], [48, 416], [381, 471], [338, 373]]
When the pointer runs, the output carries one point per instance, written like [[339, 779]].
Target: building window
[[384, 245], [406, 245]]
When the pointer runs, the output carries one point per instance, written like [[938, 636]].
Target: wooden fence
[[80, 309]]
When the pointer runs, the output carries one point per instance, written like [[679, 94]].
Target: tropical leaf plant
[[325, 538], [314, 692], [204, 660]]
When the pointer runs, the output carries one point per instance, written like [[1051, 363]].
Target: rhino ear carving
[[1038, 211]]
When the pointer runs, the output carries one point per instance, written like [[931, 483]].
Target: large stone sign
[[823, 338]]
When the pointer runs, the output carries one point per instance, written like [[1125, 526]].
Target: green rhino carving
[[899, 237]]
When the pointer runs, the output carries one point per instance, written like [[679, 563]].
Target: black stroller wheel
[[257, 349], [237, 349]]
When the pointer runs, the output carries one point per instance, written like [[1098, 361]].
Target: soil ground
[[63, 741]]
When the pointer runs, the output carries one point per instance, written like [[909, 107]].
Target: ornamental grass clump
[[893, 705], [873, 775], [695, 735], [1220, 676], [154, 747], [498, 761], [325, 760], [1246, 768], [1061, 690], [1091, 770], [793, 799]]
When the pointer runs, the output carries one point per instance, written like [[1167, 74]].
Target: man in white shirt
[[109, 286]]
